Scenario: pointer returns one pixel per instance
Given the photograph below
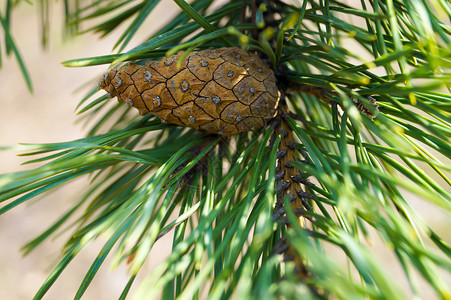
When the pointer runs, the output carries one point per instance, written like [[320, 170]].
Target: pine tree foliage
[[236, 231]]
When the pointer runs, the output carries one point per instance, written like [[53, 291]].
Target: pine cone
[[223, 91]]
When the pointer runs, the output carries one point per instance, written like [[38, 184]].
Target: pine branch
[[252, 214]]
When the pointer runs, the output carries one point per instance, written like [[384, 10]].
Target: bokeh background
[[48, 115]]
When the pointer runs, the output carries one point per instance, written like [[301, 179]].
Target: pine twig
[[288, 185]]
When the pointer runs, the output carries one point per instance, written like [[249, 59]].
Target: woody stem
[[289, 186]]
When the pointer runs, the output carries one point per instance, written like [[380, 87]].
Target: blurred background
[[48, 115]]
